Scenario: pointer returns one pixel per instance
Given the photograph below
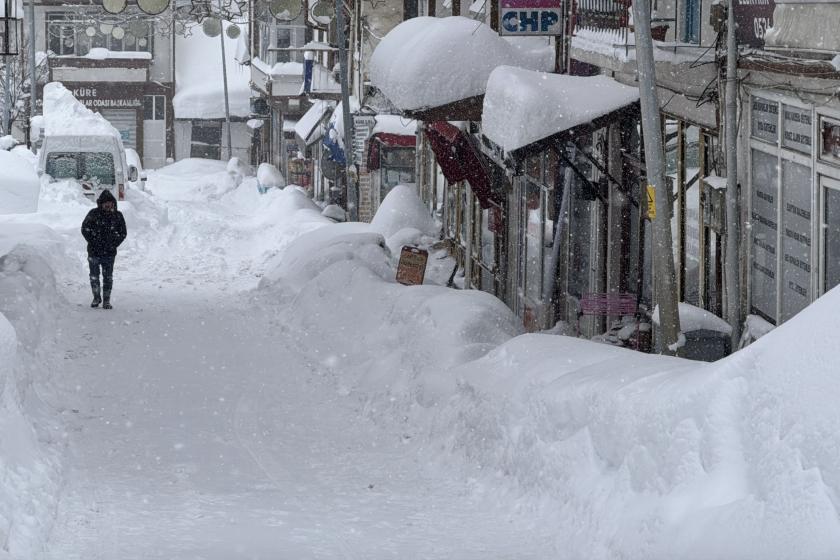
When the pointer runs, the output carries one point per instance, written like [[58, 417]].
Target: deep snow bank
[[626, 455], [18, 184], [29, 470]]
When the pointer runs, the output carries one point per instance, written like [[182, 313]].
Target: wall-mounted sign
[[796, 129], [765, 119], [412, 267], [531, 17], [753, 18]]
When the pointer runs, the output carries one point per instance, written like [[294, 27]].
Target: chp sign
[[531, 17]]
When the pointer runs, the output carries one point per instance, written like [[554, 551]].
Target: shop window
[[764, 228], [206, 140], [830, 140], [796, 238], [534, 238], [831, 238], [397, 168], [796, 133]]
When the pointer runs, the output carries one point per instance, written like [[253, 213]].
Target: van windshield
[[96, 167]]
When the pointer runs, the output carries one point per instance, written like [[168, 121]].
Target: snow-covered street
[[201, 424]]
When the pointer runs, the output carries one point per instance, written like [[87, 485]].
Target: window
[[206, 140], [764, 228], [75, 34], [831, 237], [398, 167], [154, 108], [691, 21], [830, 140], [281, 36], [96, 167]]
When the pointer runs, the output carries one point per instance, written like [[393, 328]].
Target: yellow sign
[[651, 201]]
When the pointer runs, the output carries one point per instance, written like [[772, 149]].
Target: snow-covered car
[[97, 162], [133, 159]]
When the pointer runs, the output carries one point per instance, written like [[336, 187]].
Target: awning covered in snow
[[522, 107], [309, 128], [426, 62], [460, 160]]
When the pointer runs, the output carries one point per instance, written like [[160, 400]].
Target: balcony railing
[[611, 17]]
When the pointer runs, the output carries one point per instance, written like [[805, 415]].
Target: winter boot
[[106, 304], [97, 299]]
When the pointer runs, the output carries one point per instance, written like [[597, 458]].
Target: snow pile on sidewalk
[[29, 470], [622, 454], [428, 62], [192, 179], [19, 185]]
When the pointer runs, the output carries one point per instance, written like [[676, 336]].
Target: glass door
[[830, 253]]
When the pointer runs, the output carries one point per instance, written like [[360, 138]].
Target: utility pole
[[733, 233], [663, 254], [352, 193], [225, 80]]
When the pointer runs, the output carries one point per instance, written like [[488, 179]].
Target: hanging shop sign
[[753, 18], [531, 17], [412, 267]]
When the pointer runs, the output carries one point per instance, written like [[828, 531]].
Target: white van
[[97, 162]]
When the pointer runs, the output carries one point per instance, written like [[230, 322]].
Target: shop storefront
[[794, 203]]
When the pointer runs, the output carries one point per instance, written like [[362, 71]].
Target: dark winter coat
[[104, 230]]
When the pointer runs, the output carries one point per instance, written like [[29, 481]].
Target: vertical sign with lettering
[[764, 229], [797, 133], [796, 238], [764, 115]]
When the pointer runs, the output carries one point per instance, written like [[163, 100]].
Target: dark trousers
[[106, 264]]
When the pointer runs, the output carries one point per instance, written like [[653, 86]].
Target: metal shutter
[[124, 120]]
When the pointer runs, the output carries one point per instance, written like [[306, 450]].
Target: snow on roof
[[305, 127], [428, 62], [394, 124], [64, 115], [199, 89], [522, 106], [694, 319], [99, 53]]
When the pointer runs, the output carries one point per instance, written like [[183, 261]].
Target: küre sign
[[412, 267]]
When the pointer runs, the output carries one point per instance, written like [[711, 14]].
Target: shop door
[[125, 121], [154, 131], [830, 251]]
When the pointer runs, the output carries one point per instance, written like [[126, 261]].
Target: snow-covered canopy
[[199, 89], [429, 62], [99, 53], [395, 124], [307, 128], [522, 106], [66, 115]]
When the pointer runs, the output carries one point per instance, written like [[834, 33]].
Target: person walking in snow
[[104, 230]]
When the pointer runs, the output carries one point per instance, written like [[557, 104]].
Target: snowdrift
[[29, 470], [627, 455], [66, 115], [19, 184]]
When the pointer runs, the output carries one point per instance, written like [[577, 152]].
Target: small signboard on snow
[[531, 17], [412, 267]]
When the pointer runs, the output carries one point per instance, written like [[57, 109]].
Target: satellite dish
[[212, 27], [114, 6], [284, 10], [323, 11], [153, 7], [233, 31]]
